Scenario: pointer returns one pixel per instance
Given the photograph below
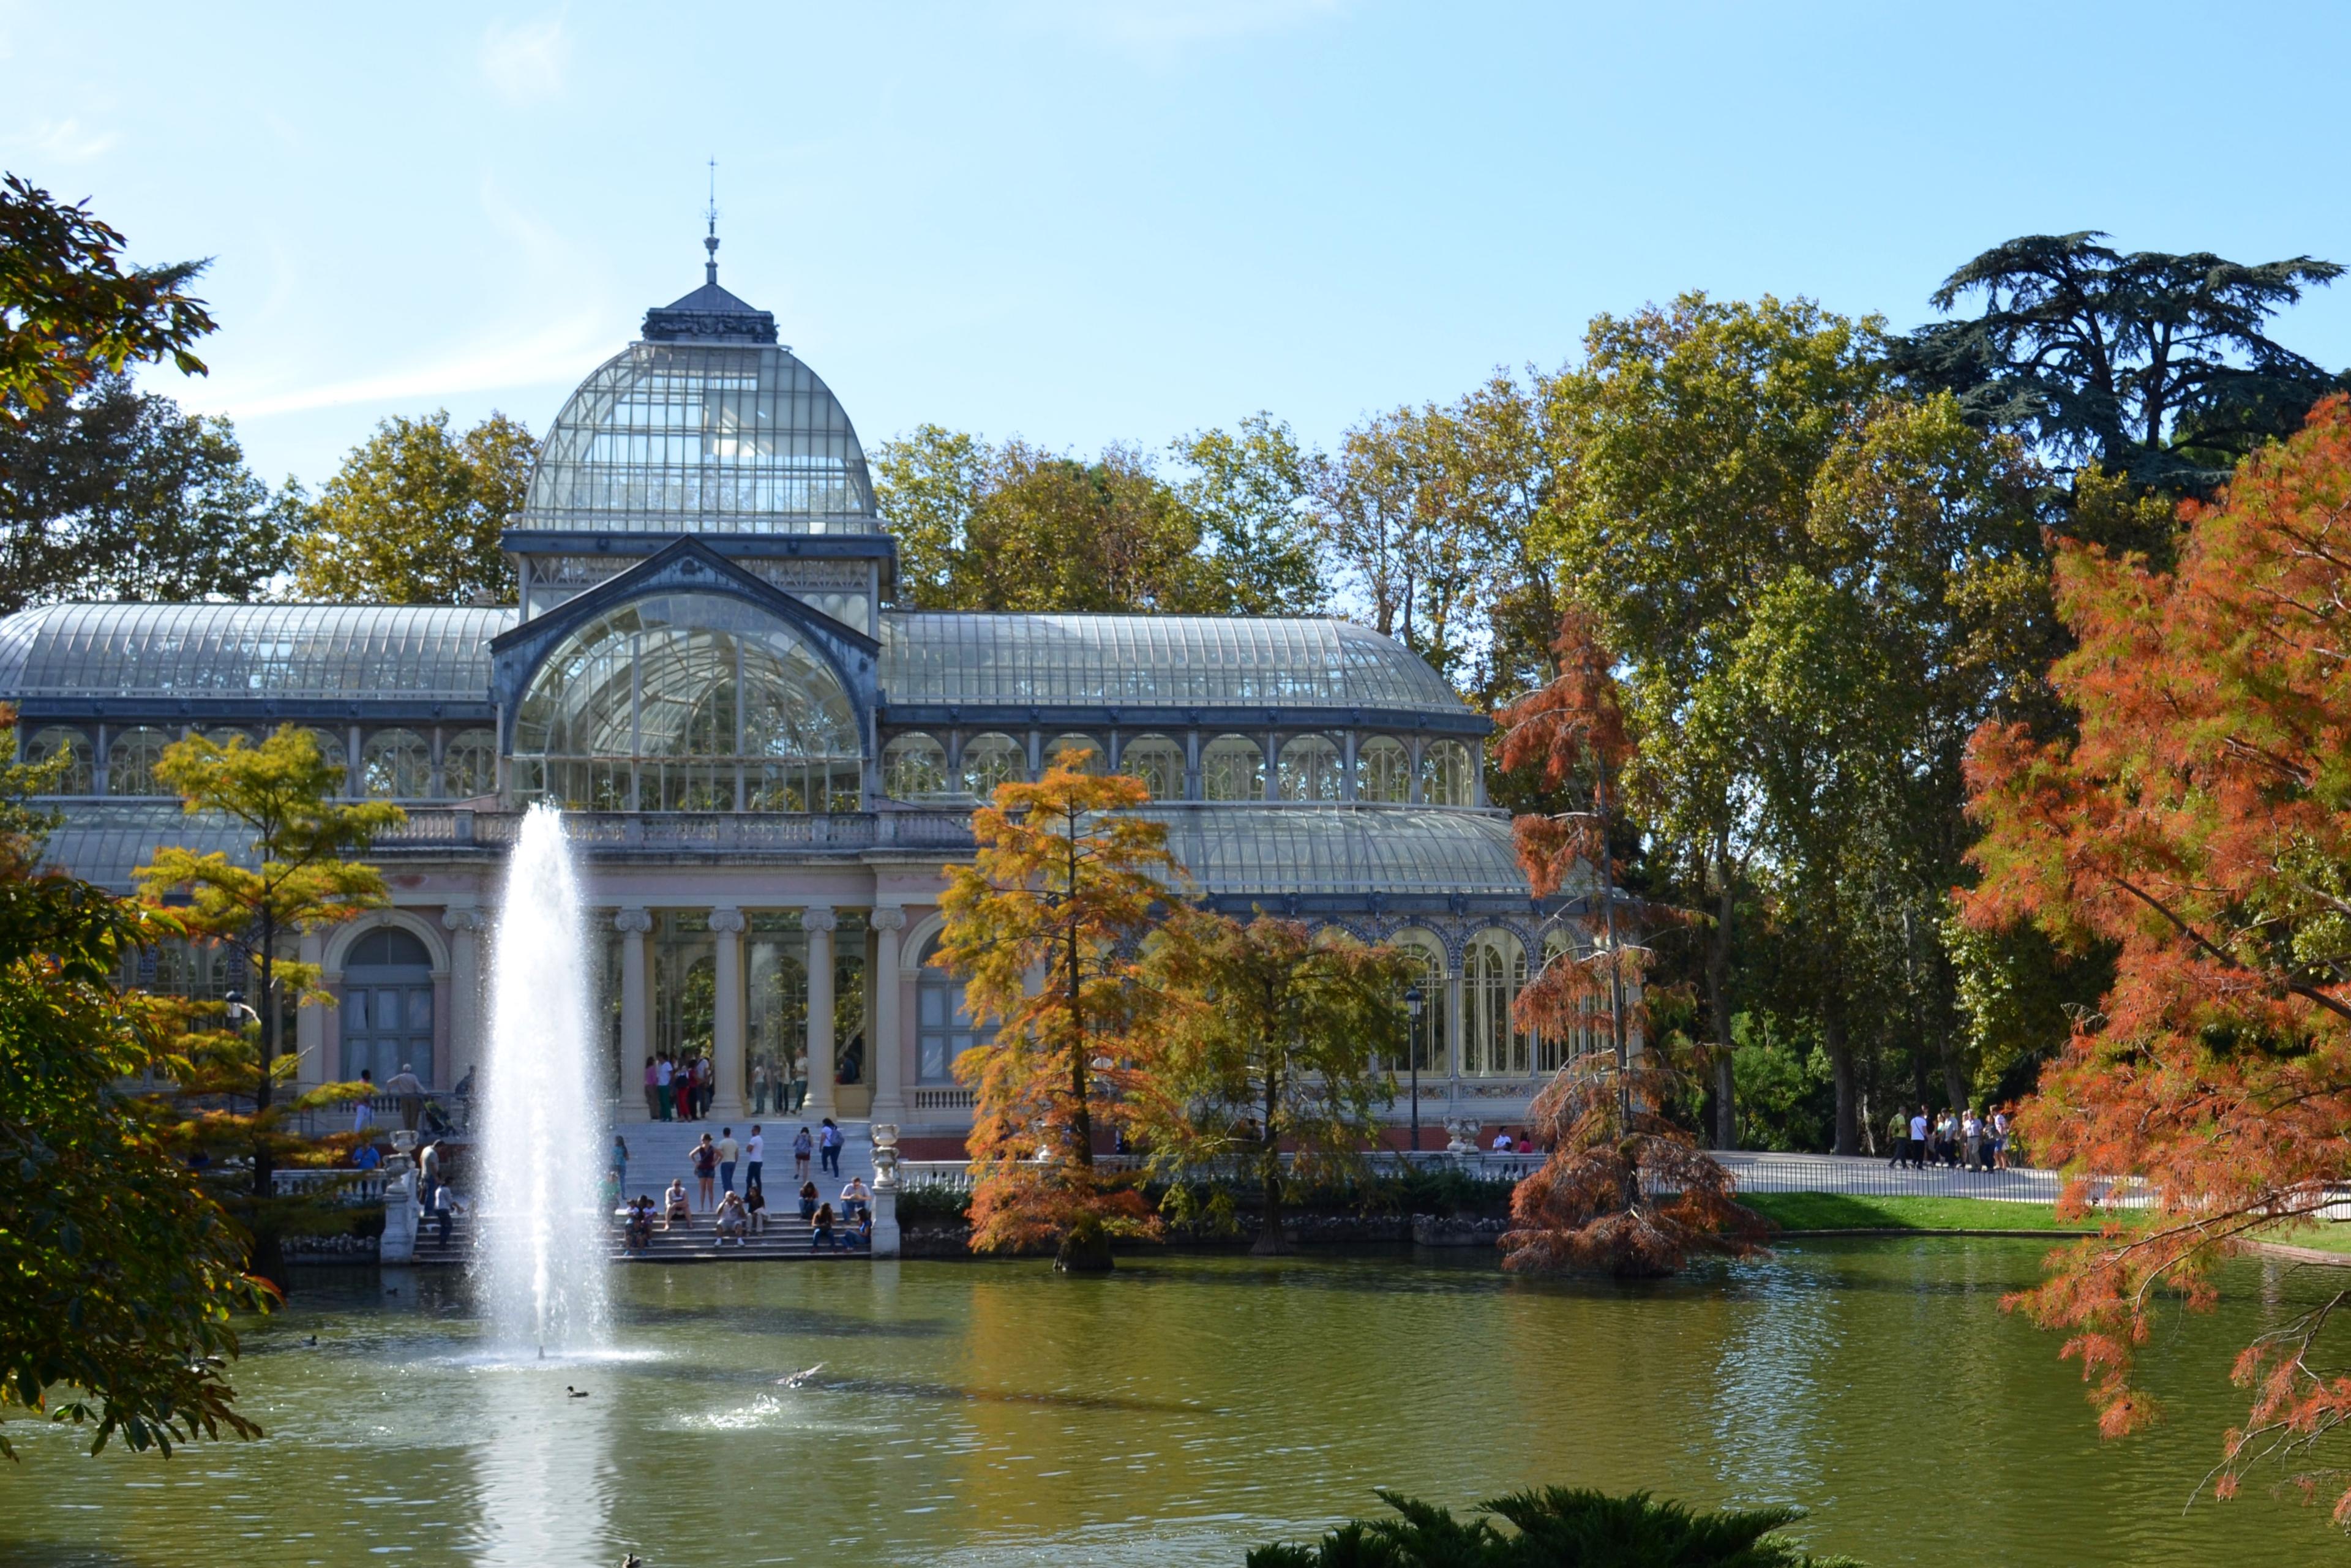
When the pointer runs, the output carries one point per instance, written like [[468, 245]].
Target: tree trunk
[[1085, 1250], [1272, 1240], [1718, 1001], [1840, 1054]]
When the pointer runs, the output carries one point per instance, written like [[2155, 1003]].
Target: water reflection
[[542, 1467]]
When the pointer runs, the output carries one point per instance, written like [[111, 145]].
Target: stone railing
[[351, 1187], [430, 828]]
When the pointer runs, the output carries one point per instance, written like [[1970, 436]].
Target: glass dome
[[687, 702], [728, 437]]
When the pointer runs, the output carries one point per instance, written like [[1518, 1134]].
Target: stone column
[[464, 993], [726, 1014], [634, 926], [884, 1045], [310, 1023], [1454, 1030], [819, 922]]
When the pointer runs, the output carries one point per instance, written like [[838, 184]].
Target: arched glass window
[[1382, 770], [1445, 776], [387, 1014], [80, 776], [991, 759], [1429, 1035], [396, 765], [1083, 752], [131, 759], [943, 1027], [1492, 976], [1158, 762], [914, 768], [469, 764], [1232, 767], [1309, 769], [688, 702], [1552, 1053]]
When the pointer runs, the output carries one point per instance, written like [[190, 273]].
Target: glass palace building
[[765, 767]]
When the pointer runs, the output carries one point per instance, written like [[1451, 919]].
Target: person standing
[[363, 1108], [760, 1088], [1999, 1139], [802, 1144], [706, 1086], [620, 1162], [706, 1171], [752, 1150], [800, 1079], [405, 1084], [1918, 1149], [1897, 1138], [681, 1084], [828, 1141], [663, 1071], [652, 1089], [428, 1173], [726, 1152]]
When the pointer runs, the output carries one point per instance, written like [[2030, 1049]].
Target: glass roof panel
[[1152, 660], [291, 651], [703, 438], [106, 843], [1270, 849]]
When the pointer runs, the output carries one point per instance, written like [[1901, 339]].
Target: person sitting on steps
[[675, 1209], [731, 1223]]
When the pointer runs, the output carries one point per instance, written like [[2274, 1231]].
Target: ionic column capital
[[634, 922], [726, 920], [888, 917], [464, 919], [819, 917]]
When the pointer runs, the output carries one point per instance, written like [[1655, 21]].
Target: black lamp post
[[1412, 1005]]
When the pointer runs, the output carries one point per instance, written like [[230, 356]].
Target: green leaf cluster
[[415, 514]]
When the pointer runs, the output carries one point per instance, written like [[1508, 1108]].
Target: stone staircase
[[661, 1150], [786, 1240]]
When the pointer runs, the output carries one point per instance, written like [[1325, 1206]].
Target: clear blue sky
[[1095, 222]]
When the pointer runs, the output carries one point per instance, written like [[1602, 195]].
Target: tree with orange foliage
[[1043, 929], [1624, 1189], [2198, 824]]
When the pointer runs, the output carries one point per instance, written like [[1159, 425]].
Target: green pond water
[[1176, 1413]]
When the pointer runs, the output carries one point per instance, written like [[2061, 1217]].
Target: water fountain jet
[[541, 1260]]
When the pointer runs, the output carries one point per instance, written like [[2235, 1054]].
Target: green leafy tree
[[1557, 1527], [113, 493], [1016, 527], [414, 514], [2157, 367], [1042, 929], [1249, 489], [70, 309], [117, 1276], [1273, 1043], [284, 793]]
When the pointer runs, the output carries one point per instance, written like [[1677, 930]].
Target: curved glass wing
[[1153, 659], [322, 650], [687, 702], [672, 438], [1275, 849]]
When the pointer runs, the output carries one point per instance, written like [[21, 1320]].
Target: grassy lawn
[[2327, 1236], [1849, 1211]]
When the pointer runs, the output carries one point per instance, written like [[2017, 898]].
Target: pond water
[[1176, 1412]]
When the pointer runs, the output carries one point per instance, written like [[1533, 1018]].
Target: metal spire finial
[[710, 242]]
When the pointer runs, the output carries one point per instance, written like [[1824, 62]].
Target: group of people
[[739, 1215], [787, 1089], [679, 1088], [1956, 1140]]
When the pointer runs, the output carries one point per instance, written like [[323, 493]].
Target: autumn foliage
[[2199, 826], [1043, 929], [1625, 1190]]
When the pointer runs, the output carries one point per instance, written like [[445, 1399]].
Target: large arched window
[[688, 702], [1431, 1031], [387, 1021], [330, 749], [1382, 770], [1232, 767], [1081, 752], [396, 765], [1445, 776], [1158, 762], [79, 775], [1494, 973], [942, 1026], [1556, 1050], [131, 759], [1309, 769], [991, 759], [914, 768], [469, 764]]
